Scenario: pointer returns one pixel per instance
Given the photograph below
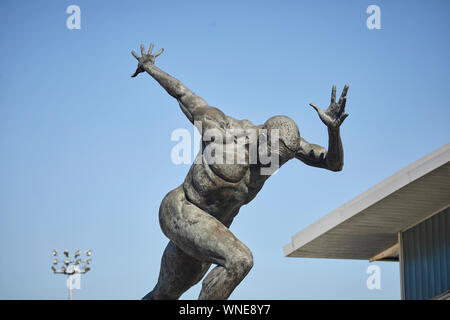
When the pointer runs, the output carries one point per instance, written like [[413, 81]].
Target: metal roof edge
[[374, 194]]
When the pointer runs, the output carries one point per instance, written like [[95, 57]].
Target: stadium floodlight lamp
[[71, 267]]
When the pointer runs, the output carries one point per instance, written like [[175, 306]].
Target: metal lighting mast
[[71, 267]]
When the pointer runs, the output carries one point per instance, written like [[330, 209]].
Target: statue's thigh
[[209, 240], [198, 233]]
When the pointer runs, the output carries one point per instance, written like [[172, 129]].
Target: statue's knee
[[242, 263], [247, 263]]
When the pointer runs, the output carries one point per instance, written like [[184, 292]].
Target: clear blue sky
[[85, 149]]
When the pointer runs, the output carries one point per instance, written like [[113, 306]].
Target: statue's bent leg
[[178, 273], [206, 239]]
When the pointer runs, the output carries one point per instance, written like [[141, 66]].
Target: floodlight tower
[[71, 266]]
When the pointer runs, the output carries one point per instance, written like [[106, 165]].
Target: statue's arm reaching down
[[317, 156], [189, 102]]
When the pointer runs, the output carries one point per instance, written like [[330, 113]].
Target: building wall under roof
[[426, 257]]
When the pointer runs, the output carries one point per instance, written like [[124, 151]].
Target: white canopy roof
[[369, 224]]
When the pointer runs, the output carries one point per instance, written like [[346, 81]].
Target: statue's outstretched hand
[[335, 115], [146, 58]]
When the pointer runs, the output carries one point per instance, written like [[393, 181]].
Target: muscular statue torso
[[222, 188]]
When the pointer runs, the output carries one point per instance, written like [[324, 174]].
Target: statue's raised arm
[[189, 102]]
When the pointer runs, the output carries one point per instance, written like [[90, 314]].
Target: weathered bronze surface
[[197, 215]]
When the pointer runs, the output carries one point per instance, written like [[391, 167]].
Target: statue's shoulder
[[243, 124]]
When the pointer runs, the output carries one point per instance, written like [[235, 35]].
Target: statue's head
[[288, 136]]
